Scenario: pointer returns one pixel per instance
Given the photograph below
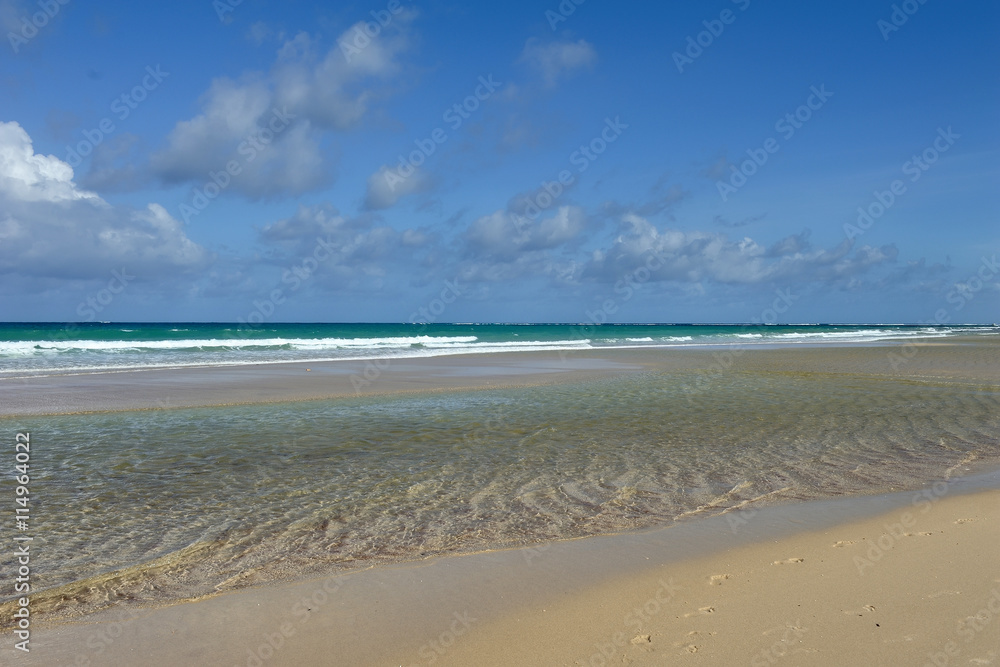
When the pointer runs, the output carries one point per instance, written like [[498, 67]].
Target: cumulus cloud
[[49, 227], [662, 198], [351, 249], [695, 256], [555, 59], [505, 236], [28, 177], [274, 149], [115, 165], [505, 246], [386, 187], [272, 124]]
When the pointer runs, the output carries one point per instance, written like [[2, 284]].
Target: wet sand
[[897, 579], [969, 359]]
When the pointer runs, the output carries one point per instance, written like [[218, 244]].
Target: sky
[[573, 161]]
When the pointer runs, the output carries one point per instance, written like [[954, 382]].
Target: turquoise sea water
[[33, 348], [152, 506]]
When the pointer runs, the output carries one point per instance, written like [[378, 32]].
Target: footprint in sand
[[642, 639], [965, 520], [869, 607], [717, 579], [987, 660], [702, 610], [915, 534], [788, 561], [844, 543], [945, 592]]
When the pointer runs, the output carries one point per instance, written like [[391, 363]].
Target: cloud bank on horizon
[[688, 162]]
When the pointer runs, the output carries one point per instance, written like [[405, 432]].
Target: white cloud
[[318, 92], [504, 236], [696, 256], [259, 32], [114, 167], [354, 250], [28, 177], [51, 228], [557, 58], [274, 150], [505, 246], [385, 187]]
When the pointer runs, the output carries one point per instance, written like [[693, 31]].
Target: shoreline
[[602, 599], [392, 611], [220, 386]]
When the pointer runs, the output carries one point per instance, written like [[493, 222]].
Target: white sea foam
[[108, 355], [42, 346]]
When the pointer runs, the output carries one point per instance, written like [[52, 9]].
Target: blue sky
[[537, 160]]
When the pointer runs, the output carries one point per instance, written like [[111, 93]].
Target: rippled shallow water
[[160, 505]]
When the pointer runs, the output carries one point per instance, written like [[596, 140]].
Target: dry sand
[[907, 588], [917, 584]]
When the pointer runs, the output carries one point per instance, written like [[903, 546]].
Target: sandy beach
[[754, 571], [904, 579], [476, 334], [959, 360]]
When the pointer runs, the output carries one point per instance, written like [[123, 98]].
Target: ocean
[[33, 348], [153, 506]]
